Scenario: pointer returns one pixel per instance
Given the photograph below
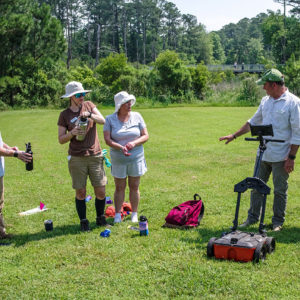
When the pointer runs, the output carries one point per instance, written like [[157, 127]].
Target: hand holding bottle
[[28, 153]]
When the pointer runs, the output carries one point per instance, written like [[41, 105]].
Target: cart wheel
[[271, 244], [210, 247], [260, 252]]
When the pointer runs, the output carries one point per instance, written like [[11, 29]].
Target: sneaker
[[246, 223], [118, 218], [134, 217], [84, 225], [101, 221], [277, 228]]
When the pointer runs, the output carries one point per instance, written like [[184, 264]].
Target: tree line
[[139, 28], [45, 43], [143, 28]]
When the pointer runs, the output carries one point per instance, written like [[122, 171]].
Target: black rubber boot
[[84, 225], [101, 221]]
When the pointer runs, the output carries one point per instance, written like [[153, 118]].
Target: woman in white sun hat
[[85, 155], [125, 132]]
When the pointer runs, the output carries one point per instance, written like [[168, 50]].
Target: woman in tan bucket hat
[[85, 154]]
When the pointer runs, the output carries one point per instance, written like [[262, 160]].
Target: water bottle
[[82, 124], [143, 226], [88, 198], [108, 200], [105, 233], [48, 225], [29, 165]]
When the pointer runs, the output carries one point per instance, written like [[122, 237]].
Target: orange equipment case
[[244, 246], [241, 246]]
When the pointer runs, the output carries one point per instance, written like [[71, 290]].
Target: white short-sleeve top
[[124, 132]]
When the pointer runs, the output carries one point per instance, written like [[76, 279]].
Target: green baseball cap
[[270, 75]]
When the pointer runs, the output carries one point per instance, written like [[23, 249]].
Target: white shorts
[[132, 168]]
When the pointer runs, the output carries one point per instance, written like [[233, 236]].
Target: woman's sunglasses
[[80, 95]]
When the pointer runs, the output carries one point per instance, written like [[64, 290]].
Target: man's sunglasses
[[80, 95]]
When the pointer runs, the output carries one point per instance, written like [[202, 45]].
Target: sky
[[214, 14]]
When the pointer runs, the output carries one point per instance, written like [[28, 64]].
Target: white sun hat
[[73, 88], [121, 98]]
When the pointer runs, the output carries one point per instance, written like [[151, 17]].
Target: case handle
[[195, 196]]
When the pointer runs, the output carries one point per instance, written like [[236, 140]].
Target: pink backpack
[[187, 214]]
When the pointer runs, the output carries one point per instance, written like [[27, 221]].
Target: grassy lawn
[[184, 157]]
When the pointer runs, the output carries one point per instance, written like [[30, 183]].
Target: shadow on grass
[[204, 236], [19, 240], [288, 235]]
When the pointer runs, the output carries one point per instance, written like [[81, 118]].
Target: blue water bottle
[[108, 200], [105, 233], [143, 226]]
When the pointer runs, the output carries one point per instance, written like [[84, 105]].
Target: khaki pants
[[2, 226], [280, 181], [82, 167]]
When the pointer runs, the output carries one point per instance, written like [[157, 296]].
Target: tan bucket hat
[[73, 88]]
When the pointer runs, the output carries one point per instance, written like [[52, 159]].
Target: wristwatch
[[90, 114], [16, 154], [292, 157]]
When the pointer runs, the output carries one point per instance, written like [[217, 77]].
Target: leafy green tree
[[32, 43], [139, 28], [250, 91], [235, 38], [68, 12], [200, 77], [154, 34], [274, 35], [255, 51], [85, 75], [195, 42], [295, 4], [282, 36], [170, 25], [292, 74], [136, 83], [217, 48], [172, 76], [112, 67]]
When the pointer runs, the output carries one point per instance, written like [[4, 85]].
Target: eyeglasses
[[80, 95]]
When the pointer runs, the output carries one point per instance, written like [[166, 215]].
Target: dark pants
[[280, 181]]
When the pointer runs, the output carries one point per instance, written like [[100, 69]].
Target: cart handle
[[266, 140]]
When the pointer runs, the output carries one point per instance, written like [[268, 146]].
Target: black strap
[[195, 197]]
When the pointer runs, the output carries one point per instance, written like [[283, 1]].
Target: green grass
[[184, 157]]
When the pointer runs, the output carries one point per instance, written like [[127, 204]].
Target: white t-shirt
[[284, 115], [124, 132], [1, 159]]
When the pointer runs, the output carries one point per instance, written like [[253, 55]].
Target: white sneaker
[[134, 217], [118, 218], [277, 228]]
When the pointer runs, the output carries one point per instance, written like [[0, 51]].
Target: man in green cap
[[281, 109]]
